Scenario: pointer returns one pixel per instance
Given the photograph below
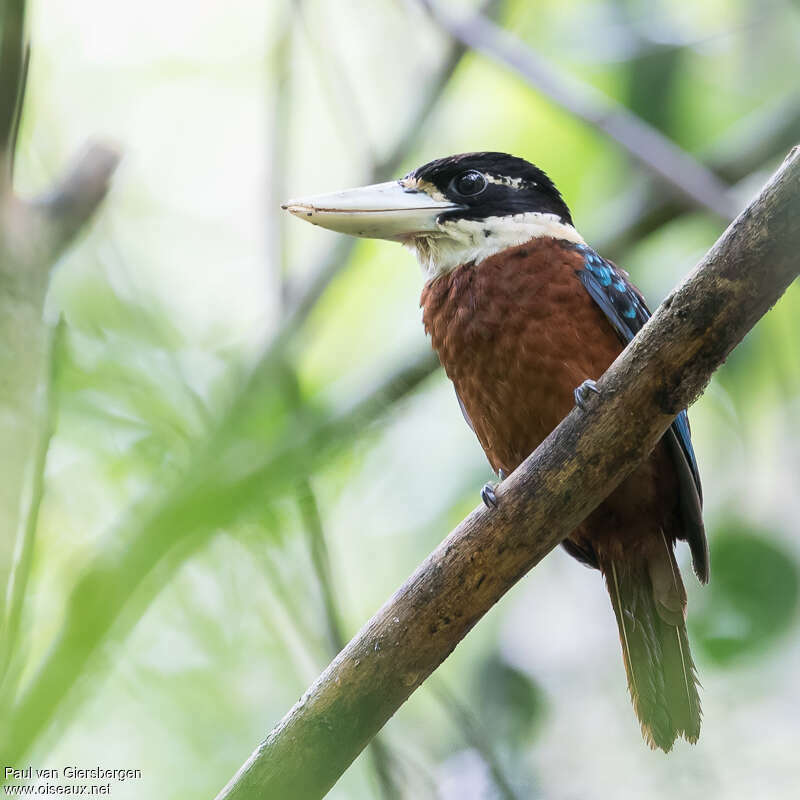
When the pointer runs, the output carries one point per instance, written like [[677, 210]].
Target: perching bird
[[524, 316]]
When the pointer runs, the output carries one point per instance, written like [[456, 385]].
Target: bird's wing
[[610, 288], [626, 309]]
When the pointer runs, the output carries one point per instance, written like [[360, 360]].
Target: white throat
[[461, 241]]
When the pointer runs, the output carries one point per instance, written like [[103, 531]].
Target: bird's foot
[[488, 496], [488, 492], [583, 391]]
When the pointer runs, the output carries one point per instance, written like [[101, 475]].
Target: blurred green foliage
[[174, 611], [510, 702], [753, 599]]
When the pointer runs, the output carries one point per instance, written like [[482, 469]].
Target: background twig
[[751, 145], [380, 753], [649, 146], [473, 733]]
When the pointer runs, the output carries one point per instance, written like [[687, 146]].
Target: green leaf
[[752, 597], [511, 703]]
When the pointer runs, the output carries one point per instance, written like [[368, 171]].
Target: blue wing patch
[[626, 309], [610, 288]]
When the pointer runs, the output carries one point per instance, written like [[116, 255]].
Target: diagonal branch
[[649, 146], [663, 369], [66, 207]]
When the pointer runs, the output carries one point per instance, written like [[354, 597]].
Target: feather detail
[[655, 649], [623, 631]]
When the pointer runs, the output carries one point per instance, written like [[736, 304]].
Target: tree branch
[[650, 147], [663, 370], [73, 200]]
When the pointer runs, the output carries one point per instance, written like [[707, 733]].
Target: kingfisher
[[525, 316]]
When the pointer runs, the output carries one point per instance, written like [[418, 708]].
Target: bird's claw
[[488, 496], [582, 392]]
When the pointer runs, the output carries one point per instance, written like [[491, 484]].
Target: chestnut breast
[[516, 334]]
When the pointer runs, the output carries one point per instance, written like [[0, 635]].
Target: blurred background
[[253, 445]]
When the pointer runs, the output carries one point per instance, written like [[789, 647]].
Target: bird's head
[[451, 211]]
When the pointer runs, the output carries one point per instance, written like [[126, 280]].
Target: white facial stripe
[[423, 186], [502, 180], [467, 240]]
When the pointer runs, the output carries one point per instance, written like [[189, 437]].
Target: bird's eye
[[469, 183]]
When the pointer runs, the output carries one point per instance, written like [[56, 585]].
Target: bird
[[525, 316]]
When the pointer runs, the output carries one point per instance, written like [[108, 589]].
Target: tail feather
[[662, 678]]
